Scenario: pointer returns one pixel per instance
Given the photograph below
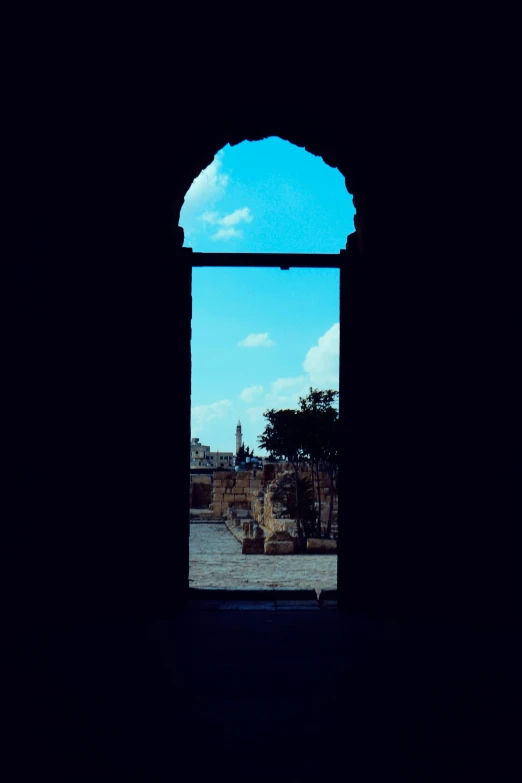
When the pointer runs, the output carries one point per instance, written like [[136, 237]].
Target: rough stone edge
[[237, 532]]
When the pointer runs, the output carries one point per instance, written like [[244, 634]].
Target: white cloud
[[286, 383], [203, 414], [227, 233], [257, 341], [250, 393], [285, 392], [321, 365], [228, 221], [209, 185], [210, 217], [236, 217], [322, 360]]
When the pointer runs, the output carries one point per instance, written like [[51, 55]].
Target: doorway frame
[[284, 262]]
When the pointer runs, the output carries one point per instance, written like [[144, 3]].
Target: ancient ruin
[[267, 495], [259, 508]]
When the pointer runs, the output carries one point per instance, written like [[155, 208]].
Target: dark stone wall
[[431, 490]]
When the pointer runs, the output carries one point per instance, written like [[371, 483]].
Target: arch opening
[[267, 196], [260, 197]]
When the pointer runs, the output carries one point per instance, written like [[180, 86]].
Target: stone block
[[321, 546], [218, 483], [253, 546], [279, 535], [279, 547], [282, 524]]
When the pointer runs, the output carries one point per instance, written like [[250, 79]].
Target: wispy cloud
[[228, 222], [257, 341], [321, 365], [250, 393], [322, 360], [285, 392], [232, 219], [227, 233], [286, 383], [210, 217], [237, 216], [203, 414]]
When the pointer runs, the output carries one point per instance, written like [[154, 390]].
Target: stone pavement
[[216, 561]]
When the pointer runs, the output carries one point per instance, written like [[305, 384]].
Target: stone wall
[[256, 490], [235, 490]]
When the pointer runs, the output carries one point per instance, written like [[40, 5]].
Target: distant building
[[224, 459], [202, 457], [198, 453]]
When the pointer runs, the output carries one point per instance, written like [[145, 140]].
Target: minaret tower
[[239, 437]]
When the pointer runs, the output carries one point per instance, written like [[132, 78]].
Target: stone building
[[100, 297], [201, 456], [221, 459], [415, 450]]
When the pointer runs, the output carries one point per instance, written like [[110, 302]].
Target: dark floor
[[288, 693]]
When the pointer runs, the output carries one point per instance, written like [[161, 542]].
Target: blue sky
[[262, 337]]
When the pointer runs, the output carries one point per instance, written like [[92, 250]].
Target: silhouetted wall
[[430, 485]]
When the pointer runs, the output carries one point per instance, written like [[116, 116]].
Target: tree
[[319, 423], [311, 434], [243, 453]]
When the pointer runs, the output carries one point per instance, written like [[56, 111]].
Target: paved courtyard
[[216, 561]]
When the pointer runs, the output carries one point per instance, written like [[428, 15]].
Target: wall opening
[[267, 196], [261, 339]]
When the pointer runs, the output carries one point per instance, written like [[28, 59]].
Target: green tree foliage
[[282, 436], [320, 433], [243, 453], [309, 434], [319, 423]]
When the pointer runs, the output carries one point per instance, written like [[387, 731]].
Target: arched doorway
[[219, 213]]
